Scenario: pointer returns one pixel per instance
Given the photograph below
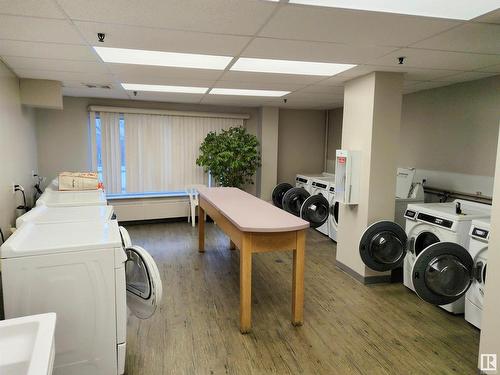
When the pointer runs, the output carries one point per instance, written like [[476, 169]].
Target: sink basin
[[27, 345]]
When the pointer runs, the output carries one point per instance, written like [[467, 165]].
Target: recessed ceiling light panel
[[245, 64], [453, 9], [245, 92], [159, 58], [164, 88]]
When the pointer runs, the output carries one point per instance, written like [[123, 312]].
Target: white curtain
[[161, 151], [110, 152]]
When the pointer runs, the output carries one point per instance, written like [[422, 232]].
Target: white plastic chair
[[192, 192]]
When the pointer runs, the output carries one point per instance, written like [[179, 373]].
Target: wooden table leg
[[232, 246], [201, 230], [246, 284], [298, 280]]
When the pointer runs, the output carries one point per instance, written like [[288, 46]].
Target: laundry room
[[249, 187]]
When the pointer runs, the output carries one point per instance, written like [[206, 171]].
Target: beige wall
[[490, 325], [334, 135], [372, 114], [452, 128], [63, 136], [18, 153], [268, 135], [301, 141]]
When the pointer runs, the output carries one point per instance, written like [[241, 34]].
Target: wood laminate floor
[[349, 328]]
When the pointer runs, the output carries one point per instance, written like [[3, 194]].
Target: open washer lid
[[442, 273], [382, 246], [315, 210], [293, 200], [278, 193], [144, 286]]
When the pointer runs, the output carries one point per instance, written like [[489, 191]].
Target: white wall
[[18, 152]]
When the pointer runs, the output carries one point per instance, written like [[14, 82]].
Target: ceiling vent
[[96, 86]]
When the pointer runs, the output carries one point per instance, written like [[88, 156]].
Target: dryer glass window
[[424, 240], [138, 279], [447, 276], [336, 212], [387, 248]]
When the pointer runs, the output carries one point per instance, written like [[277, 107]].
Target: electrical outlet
[[13, 188], [33, 174]]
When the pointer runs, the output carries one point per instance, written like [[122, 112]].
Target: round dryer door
[[315, 210], [442, 273], [383, 246], [126, 241], [334, 210], [293, 200], [278, 193], [144, 287]]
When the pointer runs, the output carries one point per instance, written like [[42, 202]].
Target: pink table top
[[249, 213]]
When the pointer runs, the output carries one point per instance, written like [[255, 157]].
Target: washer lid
[[144, 286], [383, 246], [44, 214], [278, 193], [293, 199], [53, 198], [442, 273], [48, 238], [315, 210]]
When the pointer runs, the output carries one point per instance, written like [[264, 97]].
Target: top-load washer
[[87, 273], [478, 249], [385, 246], [54, 198], [44, 214]]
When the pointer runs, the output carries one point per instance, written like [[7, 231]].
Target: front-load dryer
[[83, 272], [478, 249], [320, 186], [54, 198], [385, 245], [305, 180], [44, 214]]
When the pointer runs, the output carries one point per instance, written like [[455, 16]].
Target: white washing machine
[[44, 214], [333, 218], [321, 186], [54, 198], [385, 245], [305, 180], [83, 272], [478, 249]]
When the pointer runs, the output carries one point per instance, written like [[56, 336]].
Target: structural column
[[371, 124], [489, 346], [268, 137]]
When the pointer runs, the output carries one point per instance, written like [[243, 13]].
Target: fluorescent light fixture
[[159, 58], [245, 64], [245, 92], [163, 88], [454, 9]]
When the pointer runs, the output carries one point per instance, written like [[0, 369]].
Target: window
[[137, 153]]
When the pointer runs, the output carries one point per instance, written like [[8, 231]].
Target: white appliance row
[[77, 262], [433, 250]]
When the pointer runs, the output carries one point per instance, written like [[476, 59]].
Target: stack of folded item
[[79, 181]]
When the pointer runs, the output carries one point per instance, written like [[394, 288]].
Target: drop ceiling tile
[[167, 97], [323, 89], [47, 50], [162, 80], [217, 16], [258, 85], [81, 85], [65, 76], [244, 101], [465, 76], [432, 59], [136, 37], [313, 51], [411, 74], [95, 93], [125, 72], [35, 8], [469, 37], [38, 30], [269, 78], [351, 26], [426, 86], [28, 63]]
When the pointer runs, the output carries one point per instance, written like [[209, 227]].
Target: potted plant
[[231, 156]]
